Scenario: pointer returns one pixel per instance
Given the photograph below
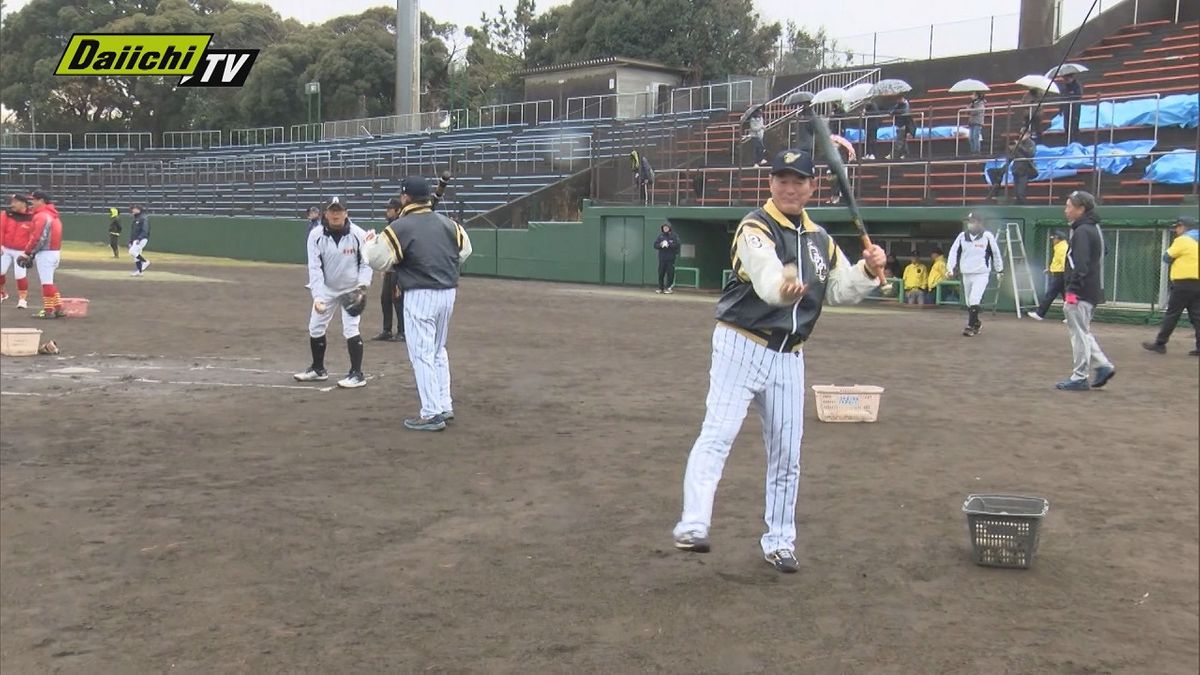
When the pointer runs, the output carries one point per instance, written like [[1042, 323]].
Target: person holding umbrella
[[975, 122], [1072, 92]]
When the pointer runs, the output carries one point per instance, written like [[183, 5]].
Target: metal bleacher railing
[[1012, 117], [36, 140], [192, 140], [735, 95], [916, 183], [118, 140]]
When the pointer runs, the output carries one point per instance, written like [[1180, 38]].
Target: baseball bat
[[443, 182], [833, 158]]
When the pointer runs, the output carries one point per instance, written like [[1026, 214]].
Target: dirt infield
[[175, 502]]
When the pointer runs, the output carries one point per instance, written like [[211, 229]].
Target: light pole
[[313, 90], [562, 113]]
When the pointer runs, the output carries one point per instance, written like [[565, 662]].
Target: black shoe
[[784, 561], [448, 416], [1103, 375], [384, 336], [1154, 347], [692, 541], [399, 337]]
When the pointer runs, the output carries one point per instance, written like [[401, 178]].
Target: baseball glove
[[354, 301], [25, 261], [50, 347]]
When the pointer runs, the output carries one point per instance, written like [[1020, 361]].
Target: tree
[[707, 38], [805, 51]]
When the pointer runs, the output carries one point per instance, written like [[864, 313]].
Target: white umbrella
[[799, 98], [1066, 69], [1038, 83], [858, 92], [830, 95], [968, 87], [890, 87]]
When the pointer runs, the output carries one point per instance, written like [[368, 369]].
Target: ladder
[[1012, 246]]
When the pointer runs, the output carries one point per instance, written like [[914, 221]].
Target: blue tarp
[[1177, 110], [1176, 168], [1062, 162], [889, 133]]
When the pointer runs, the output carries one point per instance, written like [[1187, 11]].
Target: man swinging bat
[[785, 268]]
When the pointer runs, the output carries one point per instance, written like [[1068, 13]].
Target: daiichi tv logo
[[156, 54]]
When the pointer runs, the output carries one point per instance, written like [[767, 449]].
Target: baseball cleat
[[435, 423], [22, 304], [1103, 375], [145, 264], [47, 314], [692, 541], [352, 381], [1073, 385], [783, 560], [135, 273], [312, 375], [1154, 347], [448, 416]]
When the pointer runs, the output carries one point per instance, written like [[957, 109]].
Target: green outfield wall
[[613, 244]]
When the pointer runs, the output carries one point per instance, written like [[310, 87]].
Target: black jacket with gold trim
[[765, 241]]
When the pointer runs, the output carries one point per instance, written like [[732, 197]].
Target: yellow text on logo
[[133, 54]]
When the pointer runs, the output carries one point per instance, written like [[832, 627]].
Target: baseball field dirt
[[171, 501]]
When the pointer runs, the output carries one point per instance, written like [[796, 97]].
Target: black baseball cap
[[394, 204], [1186, 221], [416, 187], [972, 218], [1058, 234], [797, 162], [18, 197], [42, 195]]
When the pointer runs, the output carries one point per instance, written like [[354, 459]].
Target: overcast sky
[[842, 18]]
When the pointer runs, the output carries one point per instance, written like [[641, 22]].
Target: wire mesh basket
[[1004, 529]]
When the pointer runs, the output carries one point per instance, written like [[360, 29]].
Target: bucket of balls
[[75, 307], [857, 403], [19, 341]]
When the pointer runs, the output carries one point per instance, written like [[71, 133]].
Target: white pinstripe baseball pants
[[426, 326], [744, 372]]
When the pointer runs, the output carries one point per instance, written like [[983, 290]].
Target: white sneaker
[[311, 375], [669, 291], [1035, 316], [21, 304], [352, 381], [1064, 320], [658, 290], [135, 273], [145, 264], [3, 297]]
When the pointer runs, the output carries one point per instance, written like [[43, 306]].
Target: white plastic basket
[[859, 403], [19, 341]]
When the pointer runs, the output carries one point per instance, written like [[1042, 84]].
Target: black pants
[[666, 274], [389, 301], [1184, 295], [112, 242], [1020, 184], [1055, 286]]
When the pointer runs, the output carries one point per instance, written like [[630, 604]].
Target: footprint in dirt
[[749, 579]]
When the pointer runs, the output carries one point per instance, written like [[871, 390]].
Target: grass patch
[[80, 251]]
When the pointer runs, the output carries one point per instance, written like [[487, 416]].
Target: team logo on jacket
[[818, 261]]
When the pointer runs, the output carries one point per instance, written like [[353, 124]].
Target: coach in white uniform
[[424, 251], [336, 265], [785, 268], [975, 253]]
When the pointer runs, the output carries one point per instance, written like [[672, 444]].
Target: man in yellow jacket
[[1184, 258], [1055, 284], [914, 281], [937, 274]]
